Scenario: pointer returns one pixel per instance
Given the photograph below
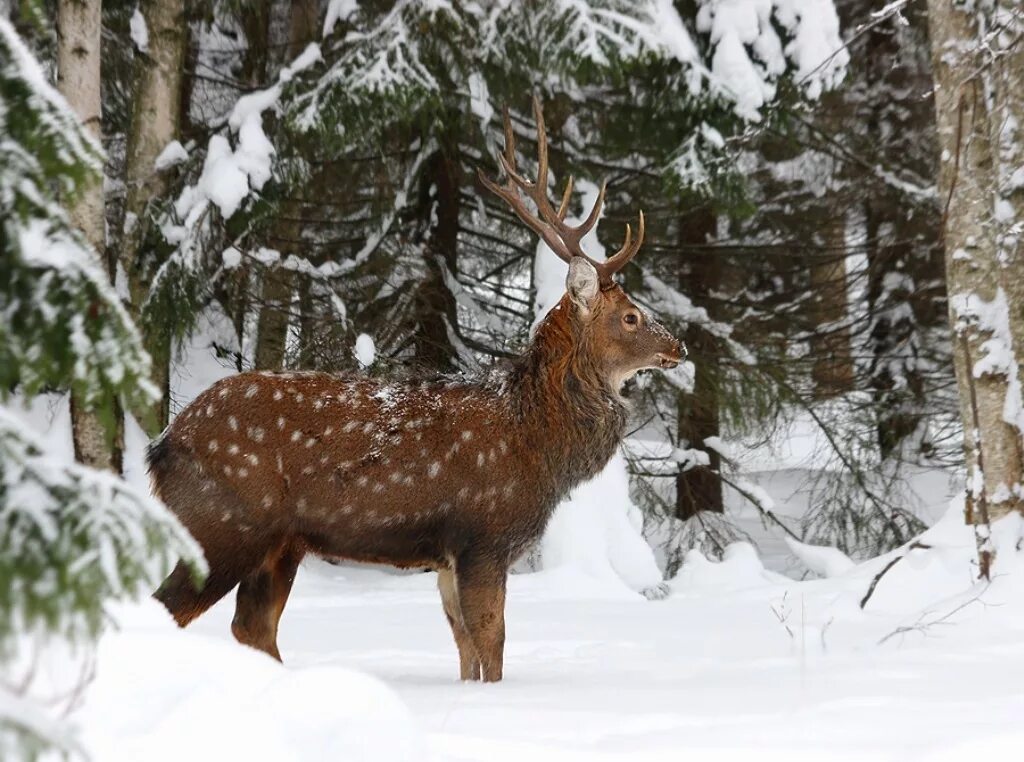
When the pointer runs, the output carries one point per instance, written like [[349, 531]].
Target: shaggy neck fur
[[564, 396]]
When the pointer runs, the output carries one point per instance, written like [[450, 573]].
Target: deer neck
[[567, 400]]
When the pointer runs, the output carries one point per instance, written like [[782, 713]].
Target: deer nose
[[671, 359]]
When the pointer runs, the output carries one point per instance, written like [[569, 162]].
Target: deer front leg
[[469, 664], [481, 593]]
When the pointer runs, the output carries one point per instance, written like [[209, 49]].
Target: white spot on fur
[[256, 433], [328, 431], [345, 465], [480, 459], [251, 391], [224, 392], [243, 472], [308, 470], [467, 435], [301, 504], [463, 493], [324, 459], [434, 470], [367, 428], [209, 411], [280, 423], [233, 422], [228, 471], [349, 427], [362, 481], [378, 487], [233, 449], [492, 456], [267, 501], [407, 480], [277, 394], [253, 459], [212, 445], [280, 464], [396, 477], [347, 509], [299, 397], [296, 435], [310, 442], [503, 446]]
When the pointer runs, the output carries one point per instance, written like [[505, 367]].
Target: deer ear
[[582, 282]]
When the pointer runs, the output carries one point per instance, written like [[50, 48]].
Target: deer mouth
[[667, 362]]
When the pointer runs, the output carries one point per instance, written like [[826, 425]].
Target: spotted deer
[[456, 475]]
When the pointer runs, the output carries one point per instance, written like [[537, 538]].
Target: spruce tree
[[71, 538]]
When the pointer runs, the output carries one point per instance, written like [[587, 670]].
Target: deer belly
[[376, 534]]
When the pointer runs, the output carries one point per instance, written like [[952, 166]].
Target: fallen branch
[[874, 582], [922, 627]]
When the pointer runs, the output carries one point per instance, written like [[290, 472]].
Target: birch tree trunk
[[78, 79], [974, 104], [1008, 85], [156, 121]]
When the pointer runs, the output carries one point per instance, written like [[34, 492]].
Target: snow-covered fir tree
[[72, 538]]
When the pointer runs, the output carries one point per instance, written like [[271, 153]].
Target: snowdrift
[[162, 693]]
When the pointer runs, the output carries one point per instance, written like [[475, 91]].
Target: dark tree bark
[[699, 488], [435, 312]]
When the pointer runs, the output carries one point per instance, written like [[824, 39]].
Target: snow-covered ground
[[737, 661], [743, 660]]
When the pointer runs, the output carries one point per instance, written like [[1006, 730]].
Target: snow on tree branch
[[62, 323], [117, 542]]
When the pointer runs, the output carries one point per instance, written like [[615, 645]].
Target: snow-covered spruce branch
[[74, 538]]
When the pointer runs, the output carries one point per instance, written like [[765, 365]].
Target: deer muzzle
[[672, 358]]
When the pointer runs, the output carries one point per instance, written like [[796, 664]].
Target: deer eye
[[631, 318]]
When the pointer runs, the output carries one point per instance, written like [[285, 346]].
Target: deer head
[[627, 338]]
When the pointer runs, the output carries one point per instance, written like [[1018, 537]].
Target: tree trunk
[[700, 488], [275, 314], [278, 283], [156, 121], [905, 288], [1007, 132], [968, 115], [830, 345], [435, 304], [78, 79]]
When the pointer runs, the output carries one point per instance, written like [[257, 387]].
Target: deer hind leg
[[481, 593], [469, 663], [261, 600], [185, 600], [230, 556]]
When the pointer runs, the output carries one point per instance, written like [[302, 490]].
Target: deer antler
[[549, 223]]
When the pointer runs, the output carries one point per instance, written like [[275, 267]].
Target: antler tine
[[510, 137], [542, 149], [595, 213], [563, 208], [629, 250]]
